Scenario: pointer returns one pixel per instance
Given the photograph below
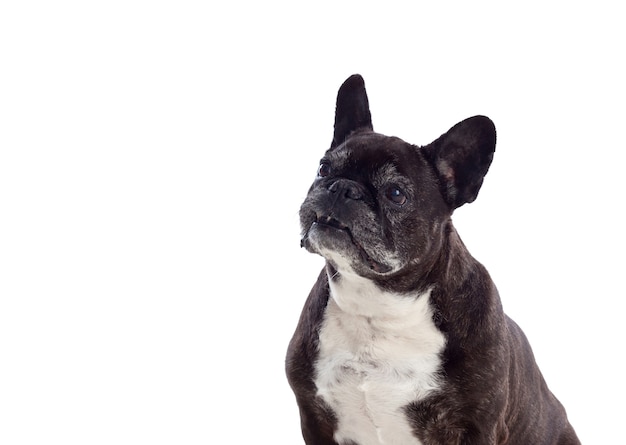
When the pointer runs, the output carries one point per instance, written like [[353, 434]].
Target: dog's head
[[379, 206]]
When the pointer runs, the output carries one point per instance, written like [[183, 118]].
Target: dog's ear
[[352, 111], [462, 157]]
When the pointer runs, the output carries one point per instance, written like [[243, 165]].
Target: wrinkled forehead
[[382, 158]]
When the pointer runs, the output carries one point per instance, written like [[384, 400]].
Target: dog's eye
[[323, 170], [395, 195]]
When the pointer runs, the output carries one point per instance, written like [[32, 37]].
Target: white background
[[153, 157]]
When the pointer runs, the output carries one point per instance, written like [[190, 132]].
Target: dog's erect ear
[[462, 157], [352, 111]]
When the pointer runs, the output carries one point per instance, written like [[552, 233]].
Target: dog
[[403, 339]]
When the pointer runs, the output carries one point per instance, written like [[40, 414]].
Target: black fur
[[493, 391]]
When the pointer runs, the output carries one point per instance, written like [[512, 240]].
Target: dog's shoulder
[[304, 345]]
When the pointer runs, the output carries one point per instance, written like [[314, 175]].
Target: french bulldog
[[403, 339]]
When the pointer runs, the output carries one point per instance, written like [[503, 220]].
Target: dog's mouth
[[327, 222]]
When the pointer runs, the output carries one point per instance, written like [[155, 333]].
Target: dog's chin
[[338, 246]]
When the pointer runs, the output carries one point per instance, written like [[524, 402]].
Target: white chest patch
[[379, 352]]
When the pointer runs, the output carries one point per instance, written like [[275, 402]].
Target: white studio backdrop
[[153, 157]]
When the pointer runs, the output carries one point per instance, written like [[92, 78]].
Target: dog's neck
[[463, 290], [453, 262], [371, 297], [360, 296], [446, 266]]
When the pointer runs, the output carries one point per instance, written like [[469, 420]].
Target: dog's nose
[[346, 188]]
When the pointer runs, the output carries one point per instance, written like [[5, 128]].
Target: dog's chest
[[378, 353]]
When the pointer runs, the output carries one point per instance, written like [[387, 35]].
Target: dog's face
[[378, 205], [375, 206]]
